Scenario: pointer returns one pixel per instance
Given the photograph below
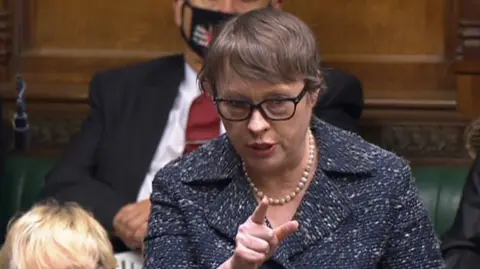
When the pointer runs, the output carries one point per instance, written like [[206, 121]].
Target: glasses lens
[[279, 109], [234, 110]]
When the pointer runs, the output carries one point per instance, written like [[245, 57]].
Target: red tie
[[203, 123]]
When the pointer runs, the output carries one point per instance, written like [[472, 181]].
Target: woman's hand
[[256, 242]]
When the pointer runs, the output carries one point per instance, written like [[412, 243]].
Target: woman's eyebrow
[[269, 94]]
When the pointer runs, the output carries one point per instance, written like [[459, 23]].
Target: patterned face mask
[[201, 27]]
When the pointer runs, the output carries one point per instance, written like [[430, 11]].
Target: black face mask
[[201, 27]]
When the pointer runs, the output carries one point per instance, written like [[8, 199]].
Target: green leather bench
[[440, 189], [21, 181]]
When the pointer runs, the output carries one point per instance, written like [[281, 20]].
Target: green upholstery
[[23, 178], [440, 188]]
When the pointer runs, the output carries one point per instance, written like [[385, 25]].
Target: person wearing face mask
[[145, 115]]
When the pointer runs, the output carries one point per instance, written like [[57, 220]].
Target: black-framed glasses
[[238, 6], [275, 109]]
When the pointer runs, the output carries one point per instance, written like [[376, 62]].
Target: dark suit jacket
[[461, 244], [2, 160], [107, 161], [3, 139], [342, 104], [3, 142], [362, 210]]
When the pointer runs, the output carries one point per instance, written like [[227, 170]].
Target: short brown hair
[[263, 45]]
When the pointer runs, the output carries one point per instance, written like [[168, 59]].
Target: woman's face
[[266, 144]]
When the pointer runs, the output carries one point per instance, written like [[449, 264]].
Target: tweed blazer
[[362, 210]]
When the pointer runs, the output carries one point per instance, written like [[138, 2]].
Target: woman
[[282, 189], [57, 236]]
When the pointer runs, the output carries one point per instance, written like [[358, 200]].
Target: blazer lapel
[[325, 206], [322, 210], [234, 204]]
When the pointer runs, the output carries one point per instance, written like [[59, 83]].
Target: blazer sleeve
[[73, 177], [461, 244], [166, 243], [342, 103], [412, 242]]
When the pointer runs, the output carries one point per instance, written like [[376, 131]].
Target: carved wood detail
[[421, 136], [421, 141], [6, 44], [5, 36], [467, 56], [468, 30], [469, 40], [53, 133]]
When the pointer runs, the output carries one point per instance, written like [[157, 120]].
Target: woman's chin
[[264, 164]]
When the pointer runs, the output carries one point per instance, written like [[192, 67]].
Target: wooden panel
[[403, 51], [467, 65], [408, 80], [366, 27], [84, 37], [469, 94], [468, 23], [343, 27], [6, 36], [104, 25], [395, 57]]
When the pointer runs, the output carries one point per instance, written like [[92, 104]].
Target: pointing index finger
[[258, 216]]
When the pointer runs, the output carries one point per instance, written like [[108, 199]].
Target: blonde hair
[[56, 236]]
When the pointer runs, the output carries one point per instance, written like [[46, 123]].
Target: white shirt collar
[[191, 78]]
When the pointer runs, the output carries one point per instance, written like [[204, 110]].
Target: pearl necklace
[[300, 185]]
